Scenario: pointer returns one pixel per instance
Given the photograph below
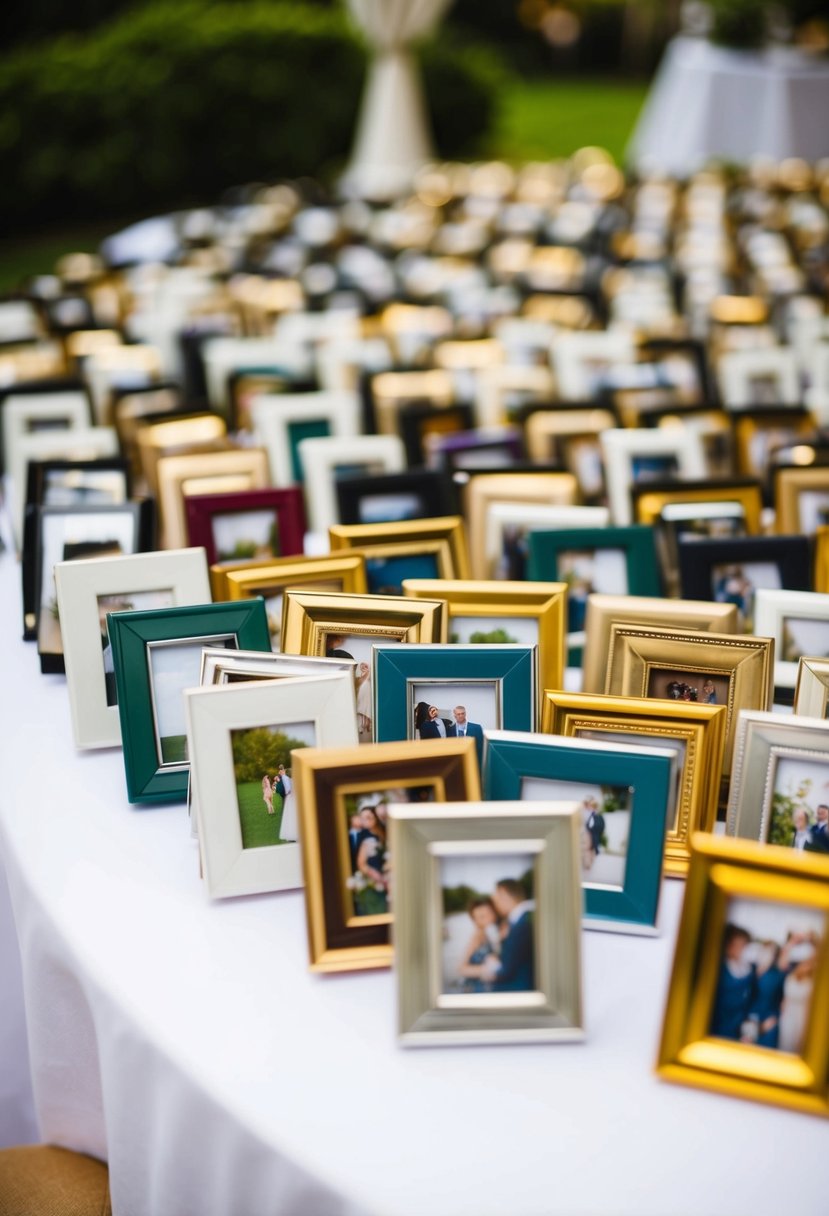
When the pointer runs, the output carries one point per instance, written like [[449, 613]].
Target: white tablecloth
[[188, 1043], [709, 101]]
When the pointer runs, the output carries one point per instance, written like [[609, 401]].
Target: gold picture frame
[[789, 519], [484, 489], [820, 569], [648, 504], [230, 469], [731, 881], [697, 732], [540, 606], [740, 669], [176, 437], [811, 689], [344, 573], [603, 611], [346, 933], [388, 548], [309, 617]]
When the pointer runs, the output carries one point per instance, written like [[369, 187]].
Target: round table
[[709, 101], [187, 1042]]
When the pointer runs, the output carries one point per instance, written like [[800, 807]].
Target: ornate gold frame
[[242, 580], [700, 727], [308, 616]]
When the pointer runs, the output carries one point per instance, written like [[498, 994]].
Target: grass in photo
[[264, 786], [246, 535]]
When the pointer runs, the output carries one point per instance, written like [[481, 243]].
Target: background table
[[188, 1043], [707, 101]]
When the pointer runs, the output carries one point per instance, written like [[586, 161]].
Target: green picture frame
[[623, 903], [545, 563], [497, 684], [138, 639]]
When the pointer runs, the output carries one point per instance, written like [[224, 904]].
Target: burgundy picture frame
[[286, 503]]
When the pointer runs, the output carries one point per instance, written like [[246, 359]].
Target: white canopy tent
[[393, 138]]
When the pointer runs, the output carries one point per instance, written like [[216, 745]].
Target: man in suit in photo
[[594, 826], [463, 727], [436, 727], [818, 841], [514, 971]]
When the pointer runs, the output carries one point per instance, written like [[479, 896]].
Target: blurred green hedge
[[170, 104]]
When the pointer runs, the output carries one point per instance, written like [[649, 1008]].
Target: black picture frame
[[413, 425], [697, 558], [431, 486]]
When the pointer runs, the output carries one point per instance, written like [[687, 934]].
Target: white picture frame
[[30, 413], [212, 714], [223, 356], [273, 414], [580, 358], [95, 723], [77, 443], [622, 446], [774, 612], [494, 384], [320, 459], [738, 372], [535, 517], [218, 663]]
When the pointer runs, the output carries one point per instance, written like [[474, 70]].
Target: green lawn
[[174, 749], [540, 120], [258, 827]]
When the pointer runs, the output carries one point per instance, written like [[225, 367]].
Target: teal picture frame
[[138, 639], [500, 679], [645, 772], [545, 564]]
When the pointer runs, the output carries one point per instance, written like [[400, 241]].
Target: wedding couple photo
[[605, 812], [488, 927], [264, 787], [768, 963]]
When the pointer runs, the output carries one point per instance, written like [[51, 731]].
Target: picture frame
[[508, 848], [640, 454], [741, 668], [413, 548], [422, 427], [280, 422], [230, 470], [206, 515], [56, 534], [461, 452], [581, 360], [634, 787], [416, 493], [757, 432], [732, 569], [389, 392], [509, 526], [604, 610], [232, 732], [498, 684], [738, 892], [345, 932], [343, 573], [64, 483], [780, 781], [801, 500], [811, 690], [223, 354], [153, 654], [695, 732], [32, 413], [78, 443], [322, 459], [223, 667], [317, 622], [649, 499], [485, 489], [612, 560], [85, 591], [799, 623], [535, 611], [180, 434], [749, 378], [501, 391]]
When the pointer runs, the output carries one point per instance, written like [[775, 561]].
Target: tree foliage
[[260, 751]]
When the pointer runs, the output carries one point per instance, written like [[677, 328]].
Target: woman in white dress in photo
[[794, 1012], [285, 787], [364, 708]]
